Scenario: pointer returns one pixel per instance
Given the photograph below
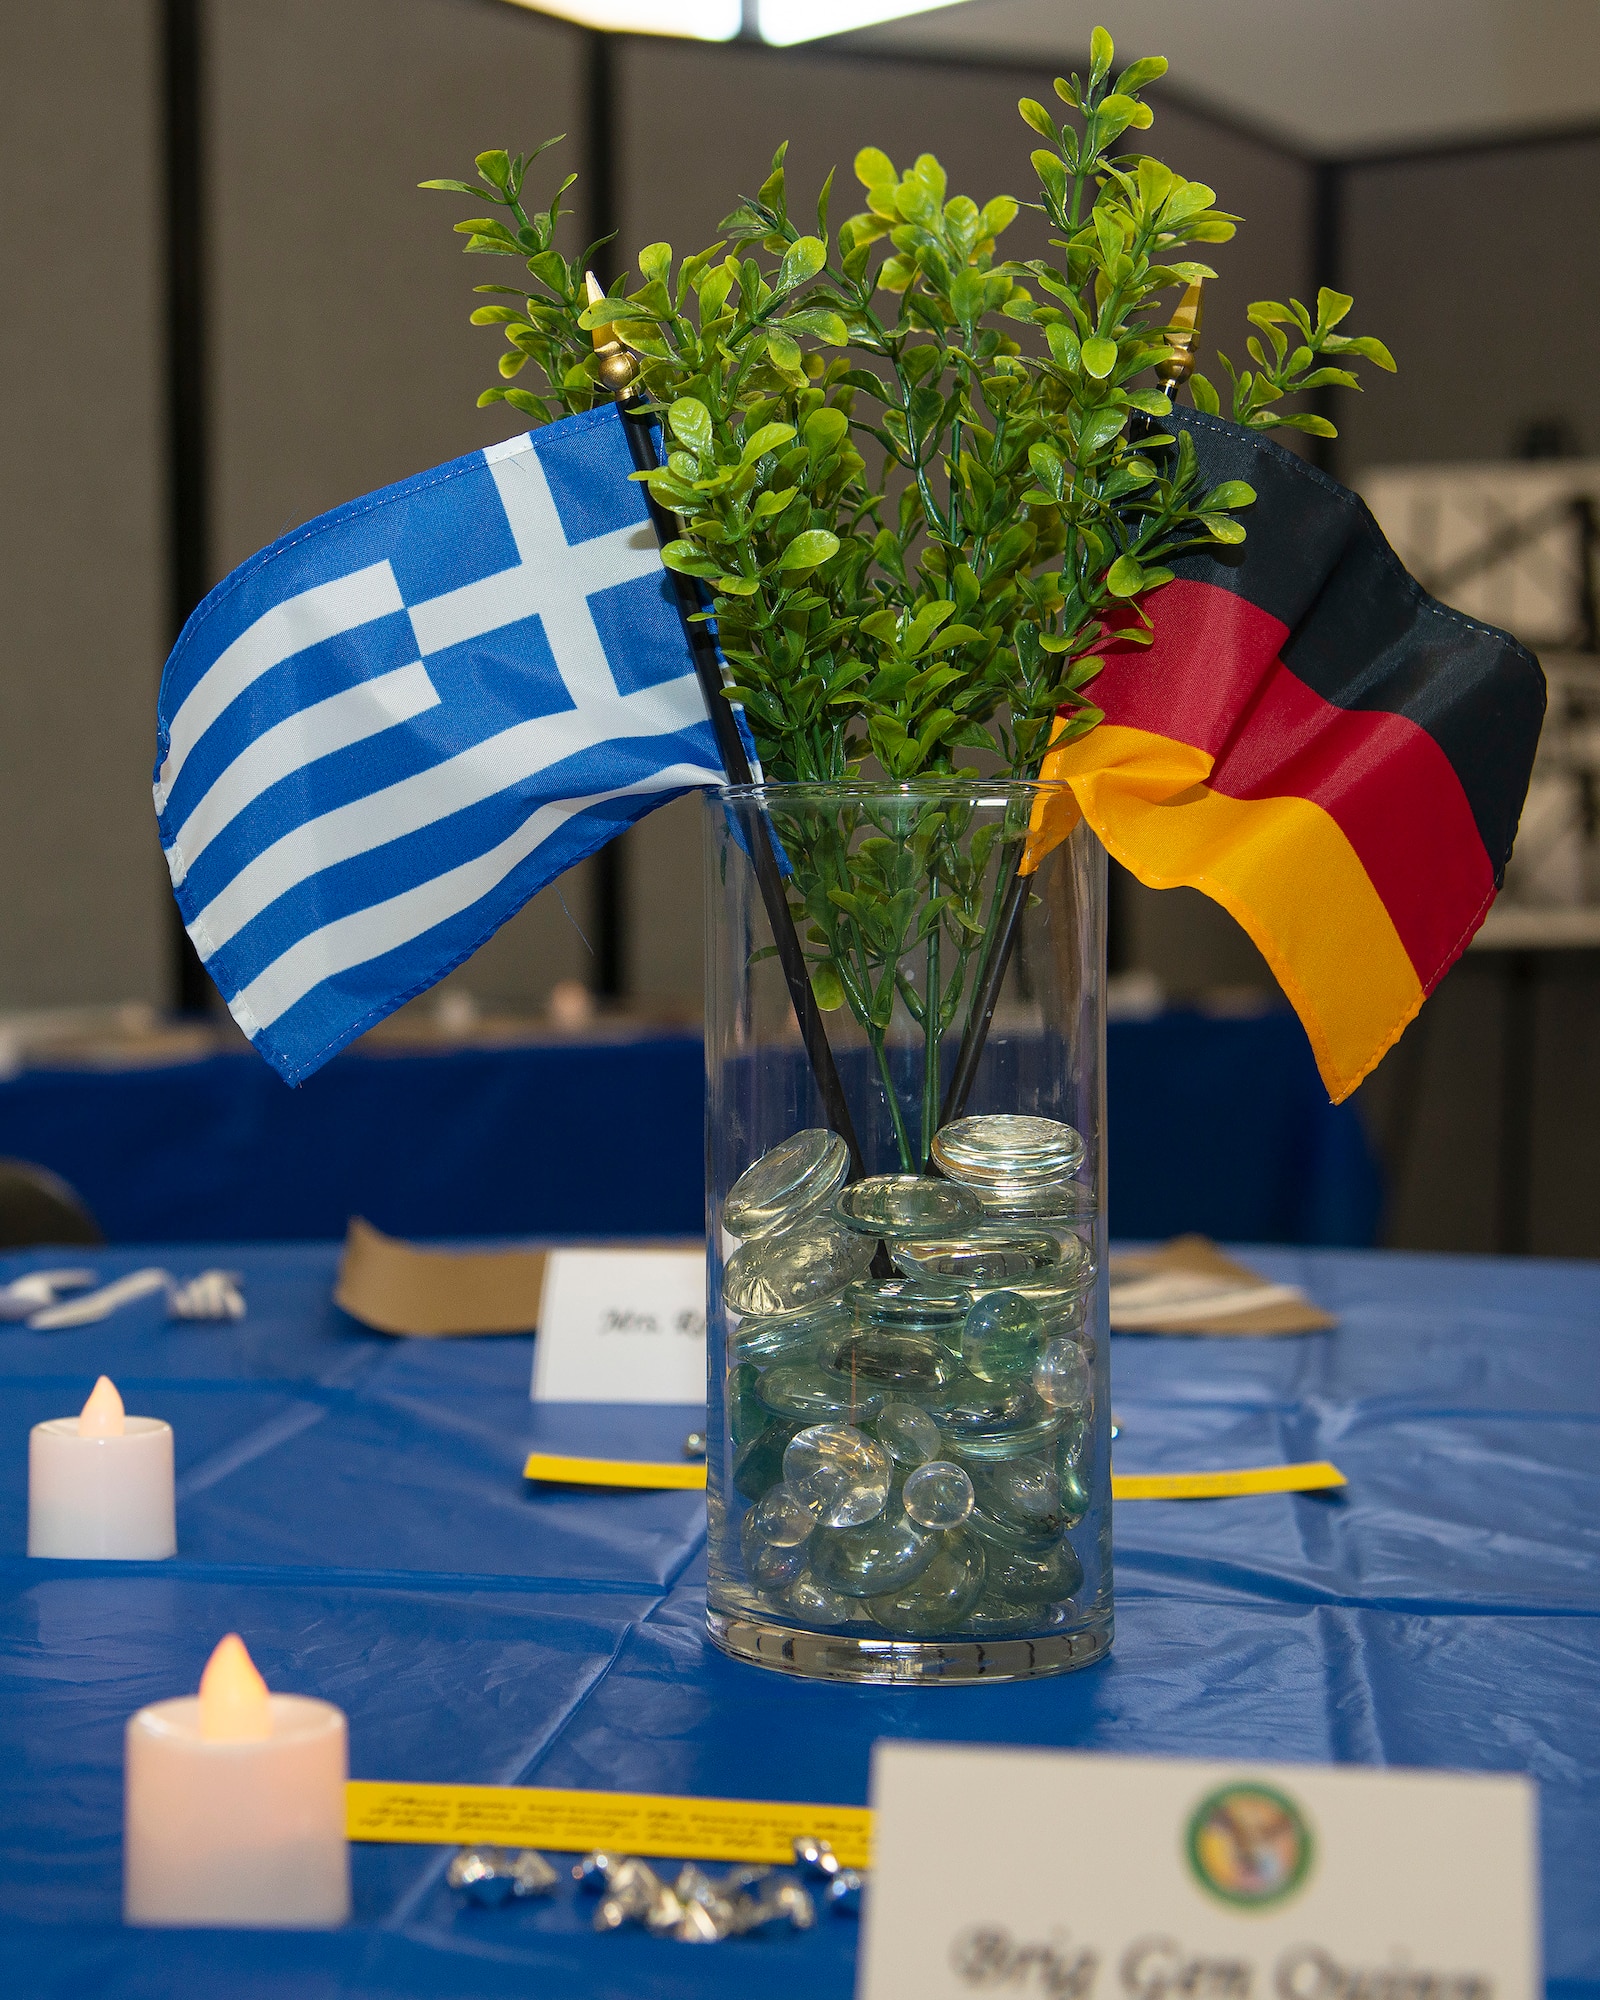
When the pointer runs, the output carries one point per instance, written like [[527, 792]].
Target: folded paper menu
[[1188, 1286]]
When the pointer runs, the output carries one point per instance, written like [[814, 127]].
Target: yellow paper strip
[[644, 1823], [554, 1468], [1311, 1477], [1307, 1478]]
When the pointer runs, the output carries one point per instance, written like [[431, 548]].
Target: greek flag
[[380, 736]]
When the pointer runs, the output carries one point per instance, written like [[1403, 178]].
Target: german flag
[[1318, 745]]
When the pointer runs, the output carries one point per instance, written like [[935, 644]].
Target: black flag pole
[[619, 371], [1183, 341]]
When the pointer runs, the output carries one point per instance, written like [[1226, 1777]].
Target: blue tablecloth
[[1218, 1125], [354, 1507]]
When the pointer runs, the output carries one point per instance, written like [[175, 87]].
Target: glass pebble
[[904, 1362], [784, 1516], [1004, 1148], [1073, 1441], [793, 1268], [996, 1617], [1061, 1375], [1059, 1204], [1068, 1274], [982, 1258], [866, 1562], [1001, 1338], [1065, 1374], [790, 1336], [815, 1604], [1023, 1493], [797, 1176], [937, 1495], [797, 1389], [1074, 1493], [760, 1464], [995, 1420], [909, 1305], [769, 1565], [1024, 1574], [905, 1205], [940, 1599], [840, 1472], [747, 1414], [909, 1433]]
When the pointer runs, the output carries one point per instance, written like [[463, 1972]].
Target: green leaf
[[998, 215], [738, 586], [784, 353], [655, 262], [760, 442], [453, 187], [824, 430], [874, 169], [498, 316], [494, 166], [1102, 53], [826, 985], [824, 325], [803, 259], [691, 424], [1117, 113], [815, 546], [1363, 344], [688, 558], [523, 399], [1034, 114], [1125, 578], [1099, 357], [1146, 70], [1205, 397], [1099, 428], [1313, 426], [1223, 527], [1331, 308], [1231, 493]]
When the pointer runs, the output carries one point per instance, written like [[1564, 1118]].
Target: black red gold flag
[[1317, 744]]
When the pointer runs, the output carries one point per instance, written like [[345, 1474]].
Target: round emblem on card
[[1249, 1845]]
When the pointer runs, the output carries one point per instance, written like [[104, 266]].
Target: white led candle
[[100, 1484], [234, 1812]]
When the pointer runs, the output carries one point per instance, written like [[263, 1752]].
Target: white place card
[[1046, 1873], [622, 1326]]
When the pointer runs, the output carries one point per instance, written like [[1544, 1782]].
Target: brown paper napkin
[[1188, 1286], [397, 1288]]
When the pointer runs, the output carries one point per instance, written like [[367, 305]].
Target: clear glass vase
[[908, 1418]]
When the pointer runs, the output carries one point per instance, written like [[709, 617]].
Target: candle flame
[[102, 1416], [234, 1704]]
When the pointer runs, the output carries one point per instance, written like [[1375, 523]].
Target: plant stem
[[902, 1137], [930, 1036]]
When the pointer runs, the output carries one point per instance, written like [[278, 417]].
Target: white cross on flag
[[380, 736]]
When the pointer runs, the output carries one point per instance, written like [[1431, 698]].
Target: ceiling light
[[705, 20], [784, 22]]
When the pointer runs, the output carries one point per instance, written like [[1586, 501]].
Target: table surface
[[354, 1506]]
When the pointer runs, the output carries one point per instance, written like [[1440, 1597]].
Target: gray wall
[[341, 354], [83, 894], [1477, 270]]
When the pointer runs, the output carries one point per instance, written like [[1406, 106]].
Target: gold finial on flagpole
[[1183, 342], [619, 370]]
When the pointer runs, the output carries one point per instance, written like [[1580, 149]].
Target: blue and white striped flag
[[381, 735]]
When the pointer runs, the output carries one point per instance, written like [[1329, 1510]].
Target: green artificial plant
[[920, 483]]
